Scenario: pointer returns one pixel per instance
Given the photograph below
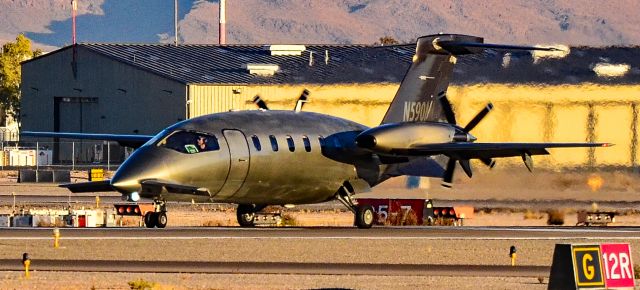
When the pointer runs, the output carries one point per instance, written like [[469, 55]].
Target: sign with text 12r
[[617, 265]]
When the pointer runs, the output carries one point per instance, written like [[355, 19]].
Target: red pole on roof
[[74, 10], [222, 24]]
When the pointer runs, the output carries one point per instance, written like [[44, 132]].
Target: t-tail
[[422, 93]]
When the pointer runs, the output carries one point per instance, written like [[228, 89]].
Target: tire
[[161, 219], [246, 215], [365, 216], [150, 219]]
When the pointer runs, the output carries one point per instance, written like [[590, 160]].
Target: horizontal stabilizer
[[129, 140], [487, 150], [450, 44], [91, 186]]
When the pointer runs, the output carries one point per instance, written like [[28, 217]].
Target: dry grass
[[533, 215], [289, 220], [556, 217], [141, 284], [402, 218]]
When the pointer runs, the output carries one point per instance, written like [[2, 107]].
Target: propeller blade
[[447, 108], [260, 103], [488, 162], [447, 178], [301, 100], [476, 120], [528, 161], [466, 166]]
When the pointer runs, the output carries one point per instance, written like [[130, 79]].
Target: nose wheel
[[158, 217]]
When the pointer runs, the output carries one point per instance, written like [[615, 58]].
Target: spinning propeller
[[451, 119]]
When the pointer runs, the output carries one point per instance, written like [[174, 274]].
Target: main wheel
[[161, 219], [364, 216], [150, 219], [246, 215]]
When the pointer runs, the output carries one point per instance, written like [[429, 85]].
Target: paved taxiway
[[239, 245], [275, 268], [319, 233]]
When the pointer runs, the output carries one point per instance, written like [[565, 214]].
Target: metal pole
[[175, 22], [37, 155], [73, 155], [108, 155]]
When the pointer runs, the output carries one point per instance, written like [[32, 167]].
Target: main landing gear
[[249, 214], [157, 217], [364, 214]]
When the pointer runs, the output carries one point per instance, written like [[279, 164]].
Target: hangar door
[[76, 115]]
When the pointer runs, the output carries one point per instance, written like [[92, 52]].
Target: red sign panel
[[617, 265]]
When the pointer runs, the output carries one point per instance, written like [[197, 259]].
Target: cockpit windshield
[[190, 142]]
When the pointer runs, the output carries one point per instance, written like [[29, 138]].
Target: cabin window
[[256, 142], [321, 141], [274, 142], [307, 143], [292, 146], [190, 142]]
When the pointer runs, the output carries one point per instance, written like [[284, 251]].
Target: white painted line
[[327, 238]]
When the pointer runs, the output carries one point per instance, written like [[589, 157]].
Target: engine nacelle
[[406, 135]]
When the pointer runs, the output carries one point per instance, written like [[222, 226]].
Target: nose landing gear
[[157, 217], [246, 214]]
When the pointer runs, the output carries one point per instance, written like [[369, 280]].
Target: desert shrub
[[141, 284], [411, 218], [288, 220], [211, 223], [556, 217], [532, 215], [402, 218], [129, 221]]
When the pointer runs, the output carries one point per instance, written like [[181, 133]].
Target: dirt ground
[[63, 280]]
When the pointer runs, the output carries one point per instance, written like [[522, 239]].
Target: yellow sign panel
[[96, 174], [587, 266]]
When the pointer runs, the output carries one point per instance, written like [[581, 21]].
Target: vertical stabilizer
[[427, 79]]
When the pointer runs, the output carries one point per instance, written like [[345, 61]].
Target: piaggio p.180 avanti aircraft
[[265, 157]]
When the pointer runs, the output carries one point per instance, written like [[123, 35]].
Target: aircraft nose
[[143, 164]]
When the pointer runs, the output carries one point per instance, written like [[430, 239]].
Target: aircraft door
[[239, 166]]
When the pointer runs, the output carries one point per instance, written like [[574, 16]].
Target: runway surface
[[111, 198], [275, 268], [376, 233]]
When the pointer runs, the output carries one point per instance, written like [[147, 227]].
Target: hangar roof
[[226, 64]]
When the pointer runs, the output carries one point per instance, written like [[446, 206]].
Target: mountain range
[[577, 23]]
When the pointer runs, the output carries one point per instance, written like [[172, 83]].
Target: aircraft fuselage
[[246, 167]]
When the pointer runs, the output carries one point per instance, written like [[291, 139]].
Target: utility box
[[85, 218], [26, 175], [5, 221], [61, 176], [21, 221]]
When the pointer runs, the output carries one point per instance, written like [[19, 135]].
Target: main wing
[[487, 150], [133, 141]]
